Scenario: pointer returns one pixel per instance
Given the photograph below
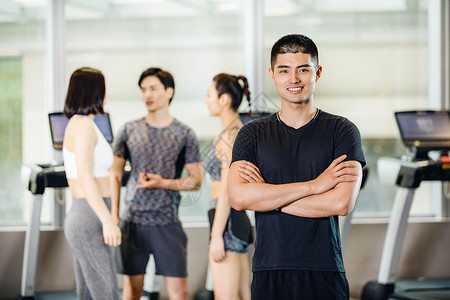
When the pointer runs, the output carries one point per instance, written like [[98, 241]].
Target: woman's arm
[[223, 207]]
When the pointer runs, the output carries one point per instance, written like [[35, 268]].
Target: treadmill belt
[[422, 295]]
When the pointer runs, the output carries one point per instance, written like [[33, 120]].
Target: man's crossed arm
[[333, 192]]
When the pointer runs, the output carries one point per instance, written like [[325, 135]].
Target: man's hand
[[250, 172], [336, 172], [150, 181]]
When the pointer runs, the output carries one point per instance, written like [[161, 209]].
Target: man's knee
[[179, 293], [132, 293], [176, 288]]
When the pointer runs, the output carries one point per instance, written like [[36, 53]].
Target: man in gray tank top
[[158, 147]]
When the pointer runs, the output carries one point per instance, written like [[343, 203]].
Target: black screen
[[246, 118], [424, 126], [58, 122]]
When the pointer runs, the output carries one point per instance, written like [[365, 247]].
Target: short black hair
[[86, 92], [229, 84], [294, 43], [165, 77]]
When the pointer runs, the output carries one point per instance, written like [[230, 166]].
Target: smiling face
[[154, 95], [295, 76]]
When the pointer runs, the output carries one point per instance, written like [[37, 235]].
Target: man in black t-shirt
[[299, 169]]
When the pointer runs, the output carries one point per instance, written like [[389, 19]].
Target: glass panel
[[23, 130], [374, 56], [194, 40], [10, 138]]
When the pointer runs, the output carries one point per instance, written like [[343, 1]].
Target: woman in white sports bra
[[89, 226]]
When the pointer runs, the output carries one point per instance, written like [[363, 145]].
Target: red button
[[445, 159]]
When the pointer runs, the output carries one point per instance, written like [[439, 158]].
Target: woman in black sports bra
[[231, 231]]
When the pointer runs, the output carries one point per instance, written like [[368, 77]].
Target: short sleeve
[[244, 147], [192, 152], [348, 141], [120, 147]]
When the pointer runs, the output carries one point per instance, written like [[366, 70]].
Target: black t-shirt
[[285, 155]]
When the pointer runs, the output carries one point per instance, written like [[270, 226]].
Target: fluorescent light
[[361, 5], [309, 21], [279, 8], [31, 3], [126, 2], [227, 6]]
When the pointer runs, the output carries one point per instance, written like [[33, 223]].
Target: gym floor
[[65, 295]]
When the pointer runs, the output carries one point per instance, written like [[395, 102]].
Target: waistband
[[83, 201], [212, 204]]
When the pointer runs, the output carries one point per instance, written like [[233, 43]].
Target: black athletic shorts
[[238, 233], [167, 244], [299, 285]]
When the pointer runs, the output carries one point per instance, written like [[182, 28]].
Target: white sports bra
[[103, 157]]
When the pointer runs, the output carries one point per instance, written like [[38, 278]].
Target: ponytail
[[245, 91]]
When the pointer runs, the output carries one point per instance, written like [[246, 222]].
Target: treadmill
[[427, 135]]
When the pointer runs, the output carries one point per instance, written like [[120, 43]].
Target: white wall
[[424, 254]]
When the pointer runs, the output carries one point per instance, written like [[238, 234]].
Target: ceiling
[[31, 10]]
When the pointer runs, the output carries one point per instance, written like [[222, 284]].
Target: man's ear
[[271, 74], [318, 72], [170, 92]]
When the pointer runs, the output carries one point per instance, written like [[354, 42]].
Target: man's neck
[[296, 115], [159, 118]]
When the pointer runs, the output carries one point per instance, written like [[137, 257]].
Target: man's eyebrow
[[149, 86], [297, 67]]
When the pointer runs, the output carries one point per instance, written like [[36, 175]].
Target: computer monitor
[[58, 122], [424, 130], [247, 118]]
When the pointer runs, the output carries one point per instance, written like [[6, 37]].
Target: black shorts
[[167, 244], [301, 285], [238, 233]]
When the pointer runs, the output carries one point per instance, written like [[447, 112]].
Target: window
[[193, 41], [374, 56], [10, 137], [22, 101]]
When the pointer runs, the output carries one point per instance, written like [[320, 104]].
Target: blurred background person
[[158, 147], [89, 227], [231, 231]]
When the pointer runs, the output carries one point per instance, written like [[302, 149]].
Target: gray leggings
[[94, 267]]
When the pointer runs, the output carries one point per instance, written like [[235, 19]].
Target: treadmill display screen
[[431, 127], [58, 122]]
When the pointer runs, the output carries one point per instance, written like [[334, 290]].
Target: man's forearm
[[328, 204], [266, 197], [115, 184], [190, 183], [251, 192], [338, 201]]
